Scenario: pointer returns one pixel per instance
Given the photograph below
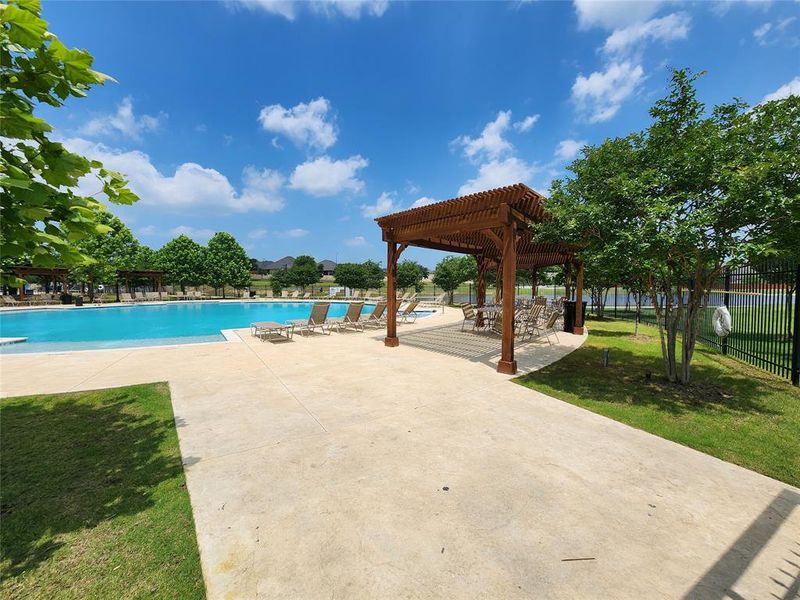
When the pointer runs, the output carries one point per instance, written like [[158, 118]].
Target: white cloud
[[569, 149], [526, 123], [351, 9], [124, 122], [599, 96], [490, 144], [664, 29], [148, 230], [721, 7], [198, 235], [777, 32], [787, 89], [424, 201], [385, 204], [257, 234], [293, 233], [613, 14], [305, 124], [191, 188], [498, 173], [326, 177], [356, 241]]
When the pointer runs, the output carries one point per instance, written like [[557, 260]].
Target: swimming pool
[[90, 328]]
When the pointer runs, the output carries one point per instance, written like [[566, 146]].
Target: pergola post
[[498, 284], [480, 288], [391, 294], [534, 283], [160, 286], [507, 364], [578, 327], [568, 280]]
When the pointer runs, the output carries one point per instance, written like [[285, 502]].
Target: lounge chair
[[548, 327], [352, 318], [528, 321], [378, 315], [317, 319], [295, 294], [469, 316], [152, 296], [356, 295], [284, 293], [127, 297], [406, 314]]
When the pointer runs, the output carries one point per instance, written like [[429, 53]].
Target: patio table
[[272, 330]]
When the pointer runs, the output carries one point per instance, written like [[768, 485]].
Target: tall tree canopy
[[452, 271], [42, 213], [226, 262], [305, 271], [183, 262], [669, 208], [351, 275], [410, 275]]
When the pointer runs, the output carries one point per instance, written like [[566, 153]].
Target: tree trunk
[[638, 313], [691, 326]]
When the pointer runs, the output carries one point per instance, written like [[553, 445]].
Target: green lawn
[[93, 498], [731, 410]]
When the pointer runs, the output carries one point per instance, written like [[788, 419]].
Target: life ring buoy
[[722, 321]]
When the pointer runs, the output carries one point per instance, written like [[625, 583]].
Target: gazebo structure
[[155, 276], [493, 227], [52, 274]]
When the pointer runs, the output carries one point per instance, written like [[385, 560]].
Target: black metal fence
[[764, 302]]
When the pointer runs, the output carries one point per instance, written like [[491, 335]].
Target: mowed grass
[[730, 410], [93, 498]]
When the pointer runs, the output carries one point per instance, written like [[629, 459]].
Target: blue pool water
[[90, 328]]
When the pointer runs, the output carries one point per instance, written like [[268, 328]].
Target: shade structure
[[494, 227]]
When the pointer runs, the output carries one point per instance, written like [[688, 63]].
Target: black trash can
[[66, 298], [78, 300], [569, 314]]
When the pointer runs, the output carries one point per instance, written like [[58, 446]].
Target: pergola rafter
[[492, 226]]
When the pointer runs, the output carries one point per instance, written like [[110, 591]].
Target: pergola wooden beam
[[490, 225]]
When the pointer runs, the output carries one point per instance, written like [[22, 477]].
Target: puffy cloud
[[123, 121], [613, 14], [526, 123], [356, 241], [787, 89], [191, 188], [777, 32], [198, 235], [326, 177], [498, 173], [288, 9], [490, 144], [424, 201], [664, 29], [569, 149], [385, 204], [599, 96], [148, 230], [305, 124]]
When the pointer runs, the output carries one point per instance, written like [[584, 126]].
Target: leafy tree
[[226, 262], [146, 259], [279, 280], [671, 207], [109, 252], [373, 275], [42, 214], [451, 272], [305, 271], [410, 274], [183, 262], [351, 275]]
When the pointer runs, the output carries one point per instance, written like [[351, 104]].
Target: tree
[[42, 213], [671, 207], [373, 275], [146, 259], [410, 274], [351, 275], [279, 280], [226, 262], [183, 262], [109, 252], [451, 272], [305, 271]]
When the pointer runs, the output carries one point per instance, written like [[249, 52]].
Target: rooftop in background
[[287, 261]]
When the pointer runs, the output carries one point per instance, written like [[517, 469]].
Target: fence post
[[796, 331], [615, 300], [725, 299]]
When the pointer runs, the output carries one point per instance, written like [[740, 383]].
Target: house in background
[[270, 266], [328, 266]]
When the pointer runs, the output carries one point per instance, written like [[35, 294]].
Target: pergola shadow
[[480, 346]]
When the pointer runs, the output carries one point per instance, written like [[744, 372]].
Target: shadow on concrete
[[718, 581]]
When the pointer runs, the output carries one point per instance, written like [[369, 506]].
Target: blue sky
[[292, 125]]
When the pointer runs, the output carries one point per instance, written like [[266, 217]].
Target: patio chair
[[529, 320], [296, 294], [378, 315], [548, 327], [127, 297], [406, 314], [469, 315], [317, 319], [307, 295], [352, 318], [356, 295]]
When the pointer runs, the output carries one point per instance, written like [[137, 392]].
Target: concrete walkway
[[333, 467]]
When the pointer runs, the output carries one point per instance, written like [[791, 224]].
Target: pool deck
[[334, 467]]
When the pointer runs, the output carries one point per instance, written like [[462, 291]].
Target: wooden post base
[[507, 367], [391, 342], [577, 330]]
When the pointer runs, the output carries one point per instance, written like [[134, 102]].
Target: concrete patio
[[334, 467]]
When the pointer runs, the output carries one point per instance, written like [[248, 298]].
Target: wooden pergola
[[493, 227], [52, 273], [155, 276]]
